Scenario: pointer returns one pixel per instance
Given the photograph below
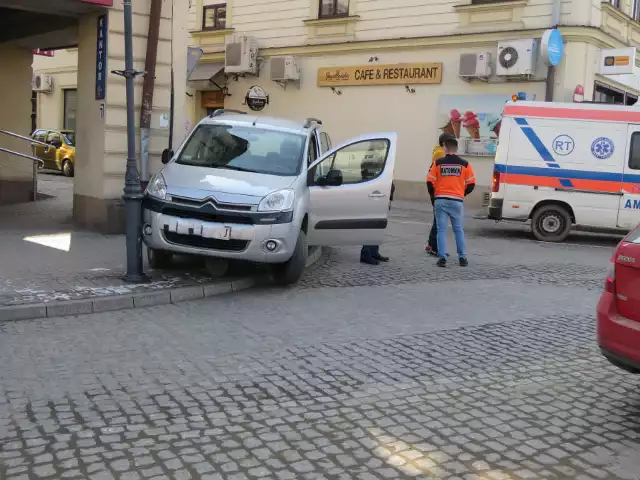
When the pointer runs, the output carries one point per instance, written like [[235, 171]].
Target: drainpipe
[[551, 71], [147, 88]]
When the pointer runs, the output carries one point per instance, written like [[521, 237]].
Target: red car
[[619, 306]]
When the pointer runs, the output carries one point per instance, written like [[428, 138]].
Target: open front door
[[349, 191], [629, 211]]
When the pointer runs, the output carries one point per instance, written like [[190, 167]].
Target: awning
[[205, 71]]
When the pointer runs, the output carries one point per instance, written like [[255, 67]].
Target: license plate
[[222, 234]]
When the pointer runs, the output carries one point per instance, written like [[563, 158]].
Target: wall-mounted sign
[[212, 99], [552, 47], [399, 74], [256, 98], [101, 58], [43, 53], [617, 61]]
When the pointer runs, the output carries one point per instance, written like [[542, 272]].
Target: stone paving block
[[186, 293], [150, 299], [218, 288], [23, 312], [69, 307], [107, 304]]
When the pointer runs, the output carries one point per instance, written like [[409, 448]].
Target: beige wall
[[102, 143], [63, 69], [16, 173]]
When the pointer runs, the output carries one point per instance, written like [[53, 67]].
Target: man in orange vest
[[450, 180]]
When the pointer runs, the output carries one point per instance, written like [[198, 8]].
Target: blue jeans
[[445, 210]]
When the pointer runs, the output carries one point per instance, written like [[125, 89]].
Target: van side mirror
[[167, 155], [332, 179]]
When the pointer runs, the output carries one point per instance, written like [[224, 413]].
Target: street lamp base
[[135, 278]]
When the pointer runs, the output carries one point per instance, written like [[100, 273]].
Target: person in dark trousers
[[450, 180], [438, 152], [370, 254]]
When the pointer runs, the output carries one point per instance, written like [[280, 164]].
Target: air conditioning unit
[[42, 83], [241, 55], [285, 68], [475, 65], [516, 58]]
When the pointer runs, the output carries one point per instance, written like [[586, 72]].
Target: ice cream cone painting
[[471, 124], [474, 119], [456, 120]]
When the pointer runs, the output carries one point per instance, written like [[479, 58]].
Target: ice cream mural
[[474, 119]]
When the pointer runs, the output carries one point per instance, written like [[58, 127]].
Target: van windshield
[[246, 149]]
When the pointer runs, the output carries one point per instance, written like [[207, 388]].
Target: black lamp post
[[132, 190]]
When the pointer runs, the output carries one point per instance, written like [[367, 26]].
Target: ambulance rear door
[[629, 213]]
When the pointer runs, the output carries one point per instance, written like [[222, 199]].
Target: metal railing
[[35, 160]]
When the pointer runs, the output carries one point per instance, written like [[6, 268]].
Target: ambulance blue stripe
[[569, 174], [540, 148]]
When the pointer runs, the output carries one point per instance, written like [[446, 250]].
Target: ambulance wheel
[[289, 272], [551, 223]]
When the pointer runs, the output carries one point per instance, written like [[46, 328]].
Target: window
[[39, 135], [214, 17], [634, 153], [70, 102], [325, 142], [333, 8], [358, 162], [615, 3], [54, 138], [605, 94], [635, 12], [245, 149]]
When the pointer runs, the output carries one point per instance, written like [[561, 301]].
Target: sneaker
[[464, 262], [442, 262], [381, 258]]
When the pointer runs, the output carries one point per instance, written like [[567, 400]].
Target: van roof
[[574, 111], [271, 123]]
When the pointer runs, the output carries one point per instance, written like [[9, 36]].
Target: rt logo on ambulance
[[563, 145]]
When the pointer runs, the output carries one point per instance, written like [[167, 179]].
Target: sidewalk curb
[[137, 300]]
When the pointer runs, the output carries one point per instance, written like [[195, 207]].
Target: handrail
[[35, 160]]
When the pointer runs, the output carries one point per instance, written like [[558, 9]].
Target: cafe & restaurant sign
[[398, 74]]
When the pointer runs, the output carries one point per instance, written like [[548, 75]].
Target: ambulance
[[567, 165]]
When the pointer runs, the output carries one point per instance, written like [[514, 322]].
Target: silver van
[[265, 189]]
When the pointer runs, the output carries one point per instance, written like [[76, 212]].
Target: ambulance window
[[634, 155]]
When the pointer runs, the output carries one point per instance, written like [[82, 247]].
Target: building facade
[[390, 65]]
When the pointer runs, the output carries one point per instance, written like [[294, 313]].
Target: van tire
[[551, 223], [289, 272], [158, 259]]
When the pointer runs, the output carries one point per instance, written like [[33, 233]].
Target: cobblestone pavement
[[397, 371]]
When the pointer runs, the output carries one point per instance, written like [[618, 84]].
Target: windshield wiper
[[231, 167]]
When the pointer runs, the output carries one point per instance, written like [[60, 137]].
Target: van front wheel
[[551, 223], [289, 272]]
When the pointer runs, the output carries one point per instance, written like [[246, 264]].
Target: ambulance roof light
[[519, 96]]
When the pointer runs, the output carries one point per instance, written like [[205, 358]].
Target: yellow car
[[61, 155]]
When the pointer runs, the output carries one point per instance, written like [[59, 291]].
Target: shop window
[[70, 103], [631, 99], [634, 153], [214, 17], [333, 8]]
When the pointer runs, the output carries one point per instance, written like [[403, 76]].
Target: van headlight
[[157, 187], [279, 201]]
